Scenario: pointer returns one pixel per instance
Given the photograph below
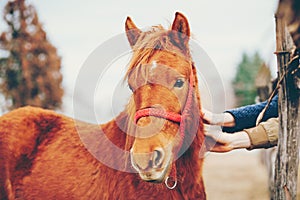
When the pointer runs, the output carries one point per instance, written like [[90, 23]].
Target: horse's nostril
[[158, 157]]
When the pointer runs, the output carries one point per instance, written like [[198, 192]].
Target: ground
[[236, 175]]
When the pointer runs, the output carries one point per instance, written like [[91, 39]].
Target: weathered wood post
[[287, 160]]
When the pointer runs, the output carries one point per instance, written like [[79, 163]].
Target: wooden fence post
[[287, 160]]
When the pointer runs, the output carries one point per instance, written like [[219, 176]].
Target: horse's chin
[[156, 175]]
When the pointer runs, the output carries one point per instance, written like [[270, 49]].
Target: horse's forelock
[[150, 42]]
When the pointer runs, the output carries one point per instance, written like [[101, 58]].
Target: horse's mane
[[151, 41]]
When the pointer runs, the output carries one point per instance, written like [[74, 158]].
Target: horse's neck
[[106, 142], [116, 129], [193, 154], [190, 163], [189, 170]]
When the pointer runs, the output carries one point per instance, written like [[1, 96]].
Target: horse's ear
[[132, 32], [180, 31]]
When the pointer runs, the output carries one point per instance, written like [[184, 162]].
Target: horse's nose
[[146, 161], [158, 157]]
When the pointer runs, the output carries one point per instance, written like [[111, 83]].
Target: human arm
[[265, 135], [245, 117], [237, 119], [218, 141]]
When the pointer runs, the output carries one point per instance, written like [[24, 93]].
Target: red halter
[[174, 117]]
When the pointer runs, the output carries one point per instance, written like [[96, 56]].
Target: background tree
[[263, 83], [29, 64], [244, 80]]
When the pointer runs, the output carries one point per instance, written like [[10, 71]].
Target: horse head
[[165, 104]]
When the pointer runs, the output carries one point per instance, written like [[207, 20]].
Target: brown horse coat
[[42, 157]]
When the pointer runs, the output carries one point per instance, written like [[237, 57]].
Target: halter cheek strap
[[174, 117]]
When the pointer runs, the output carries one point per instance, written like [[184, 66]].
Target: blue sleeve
[[245, 117]]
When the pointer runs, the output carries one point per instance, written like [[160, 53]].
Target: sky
[[223, 29]]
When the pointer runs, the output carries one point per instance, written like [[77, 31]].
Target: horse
[[158, 138]]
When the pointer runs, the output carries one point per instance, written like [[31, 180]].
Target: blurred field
[[236, 175]]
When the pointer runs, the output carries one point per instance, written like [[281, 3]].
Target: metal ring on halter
[[170, 187]]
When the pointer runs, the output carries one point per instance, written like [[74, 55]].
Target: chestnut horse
[[158, 138]]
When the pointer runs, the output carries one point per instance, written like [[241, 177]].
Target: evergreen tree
[[244, 81], [29, 64]]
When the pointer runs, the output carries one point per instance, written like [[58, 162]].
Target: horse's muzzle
[[152, 167]]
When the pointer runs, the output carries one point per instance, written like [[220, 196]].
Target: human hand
[[222, 119], [224, 142]]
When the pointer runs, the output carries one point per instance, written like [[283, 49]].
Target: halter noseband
[[174, 117]]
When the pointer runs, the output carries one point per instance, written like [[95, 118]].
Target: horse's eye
[[179, 83]]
